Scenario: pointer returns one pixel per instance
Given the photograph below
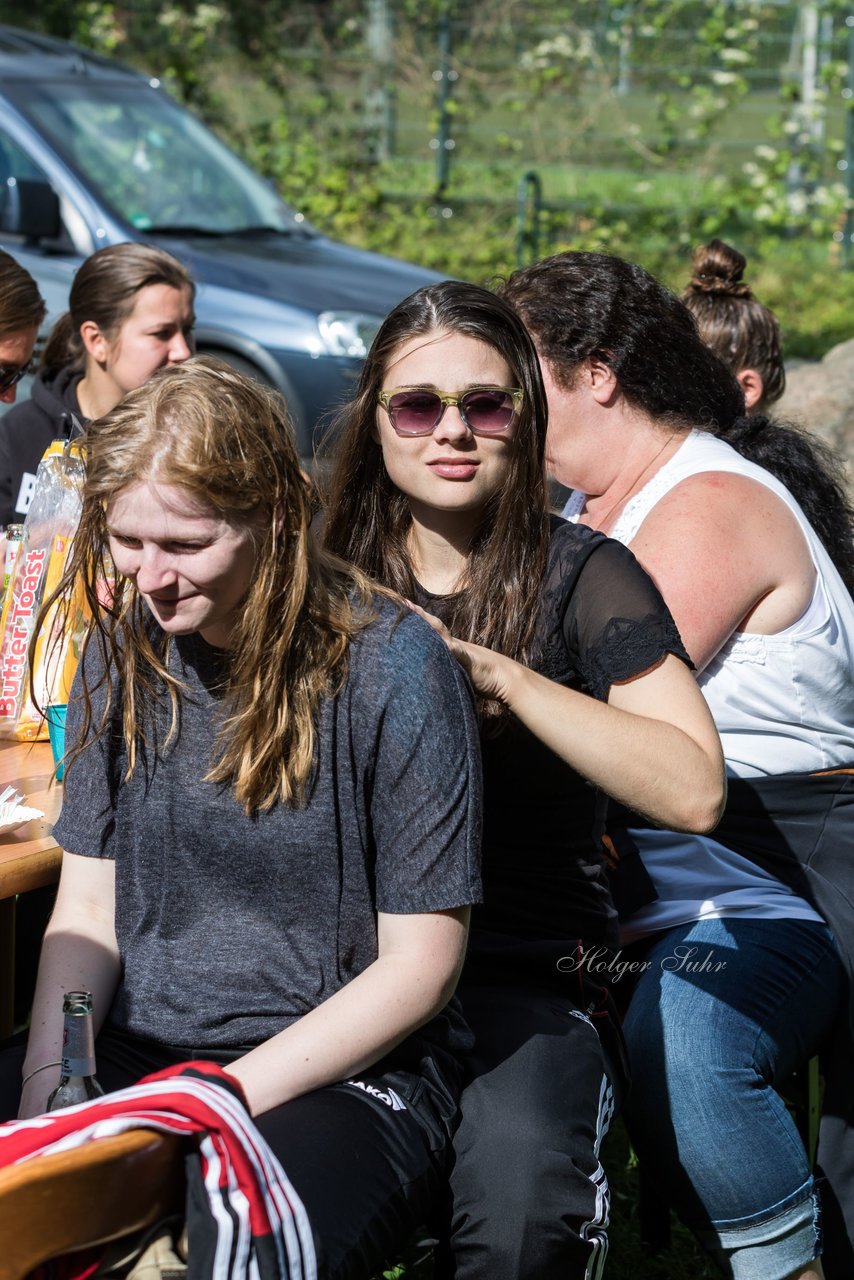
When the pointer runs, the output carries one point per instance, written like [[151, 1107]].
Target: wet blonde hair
[[227, 442]]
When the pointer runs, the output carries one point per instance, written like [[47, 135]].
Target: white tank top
[[782, 703]]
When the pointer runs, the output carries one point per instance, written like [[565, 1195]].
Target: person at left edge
[[22, 310], [271, 817]]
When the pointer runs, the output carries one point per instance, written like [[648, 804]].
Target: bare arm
[[653, 745], [79, 953], [727, 555], [415, 973]]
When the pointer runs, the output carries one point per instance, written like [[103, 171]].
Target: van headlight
[[348, 333]]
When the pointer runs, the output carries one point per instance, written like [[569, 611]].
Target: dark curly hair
[[582, 305]]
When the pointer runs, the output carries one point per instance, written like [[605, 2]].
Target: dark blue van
[[93, 153]]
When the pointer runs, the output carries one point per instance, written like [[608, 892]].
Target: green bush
[[667, 182]]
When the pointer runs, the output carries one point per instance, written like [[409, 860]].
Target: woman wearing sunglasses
[[439, 492], [130, 312]]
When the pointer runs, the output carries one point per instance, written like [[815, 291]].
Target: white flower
[[723, 77], [738, 56]]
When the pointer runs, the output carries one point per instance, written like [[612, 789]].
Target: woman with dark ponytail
[[748, 933], [130, 311], [745, 335]]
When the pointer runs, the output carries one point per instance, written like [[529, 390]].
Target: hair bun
[[718, 268]]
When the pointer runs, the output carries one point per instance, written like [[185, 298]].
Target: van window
[[15, 163], [155, 165]]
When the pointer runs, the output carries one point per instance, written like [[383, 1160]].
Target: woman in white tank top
[[742, 979]]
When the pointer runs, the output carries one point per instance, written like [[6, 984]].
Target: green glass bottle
[[77, 1081]]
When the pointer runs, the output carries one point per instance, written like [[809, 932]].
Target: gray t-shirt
[[231, 927]]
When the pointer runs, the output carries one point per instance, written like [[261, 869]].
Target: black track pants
[[529, 1197]]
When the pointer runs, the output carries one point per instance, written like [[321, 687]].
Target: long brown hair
[[227, 442], [105, 289], [368, 518]]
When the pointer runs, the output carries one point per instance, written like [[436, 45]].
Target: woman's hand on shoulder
[[491, 673]]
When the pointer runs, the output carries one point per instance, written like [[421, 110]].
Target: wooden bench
[[93, 1194], [110, 1187]]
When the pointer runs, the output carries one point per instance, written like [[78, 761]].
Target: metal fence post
[[848, 233], [380, 100], [443, 144], [529, 203]]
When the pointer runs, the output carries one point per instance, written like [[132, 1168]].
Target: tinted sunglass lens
[[487, 411], [415, 412], [9, 377]]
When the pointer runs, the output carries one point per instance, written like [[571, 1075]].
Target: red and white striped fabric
[[250, 1222]]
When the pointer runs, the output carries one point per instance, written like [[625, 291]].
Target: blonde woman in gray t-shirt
[[258, 870]]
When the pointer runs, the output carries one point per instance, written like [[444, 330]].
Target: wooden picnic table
[[29, 857]]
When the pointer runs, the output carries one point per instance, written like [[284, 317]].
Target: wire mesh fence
[[658, 112]]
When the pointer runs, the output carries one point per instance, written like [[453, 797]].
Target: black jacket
[[52, 413]]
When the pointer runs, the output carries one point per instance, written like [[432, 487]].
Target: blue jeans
[[724, 1011]]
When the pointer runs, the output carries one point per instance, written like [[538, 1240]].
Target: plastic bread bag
[[49, 528]]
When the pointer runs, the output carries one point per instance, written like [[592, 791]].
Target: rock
[[820, 396]]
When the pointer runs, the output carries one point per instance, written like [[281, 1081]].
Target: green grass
[[498, 180], [628, 1257]]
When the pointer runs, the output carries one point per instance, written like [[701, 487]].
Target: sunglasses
[[485, 411], [11, 374]]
